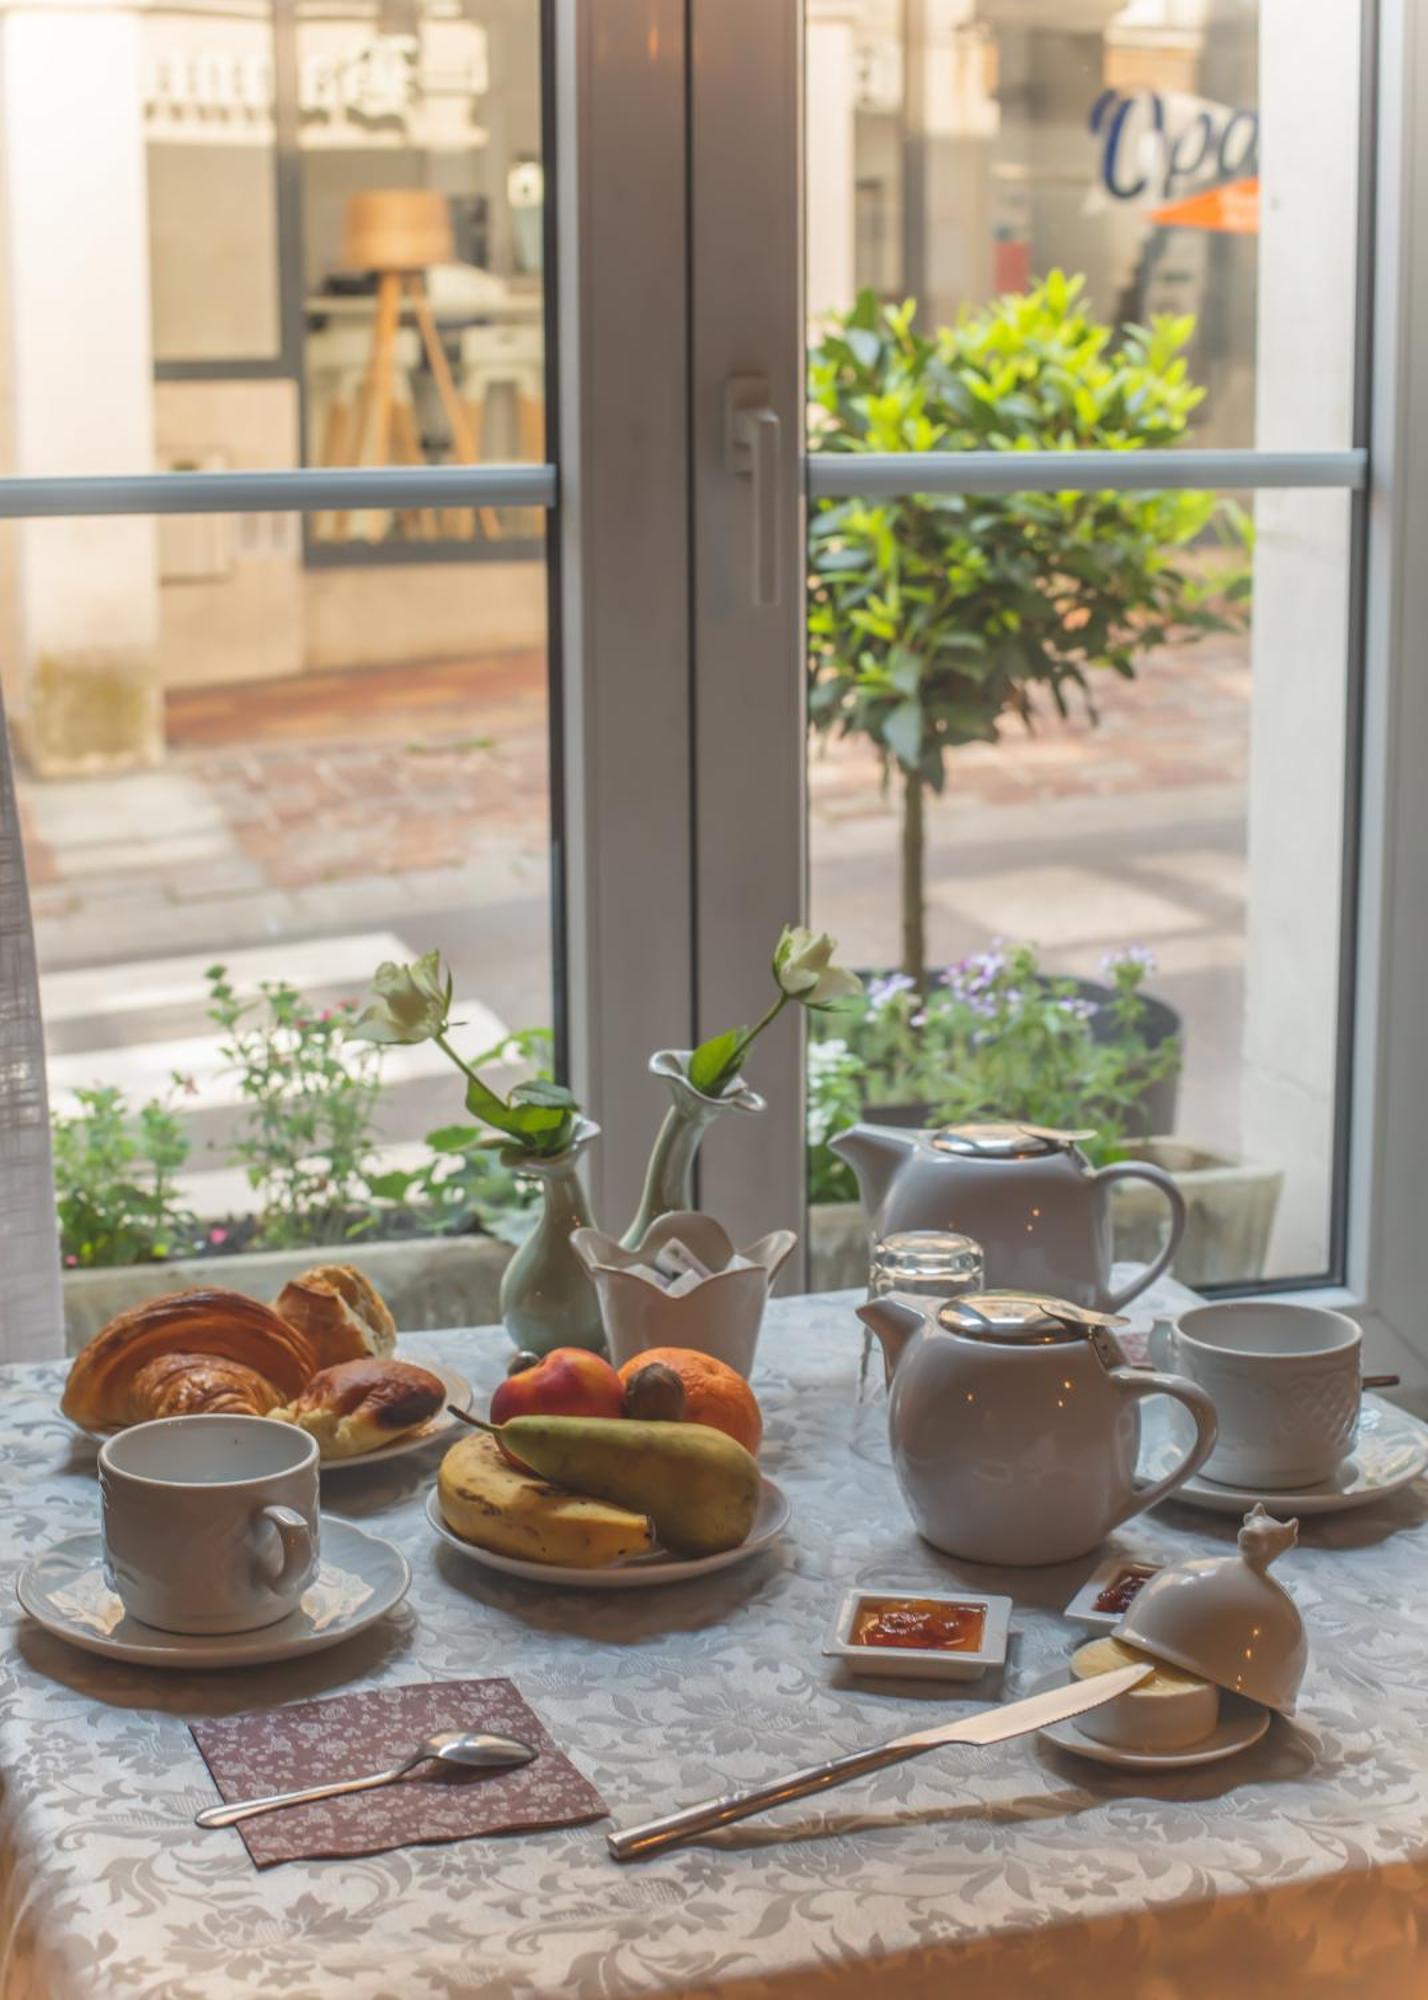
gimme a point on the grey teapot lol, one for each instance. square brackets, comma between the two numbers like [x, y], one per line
[1025, 1193]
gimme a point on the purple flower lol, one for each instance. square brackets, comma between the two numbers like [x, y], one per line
[1139, 956]
[1078, 1008]
[881, 991]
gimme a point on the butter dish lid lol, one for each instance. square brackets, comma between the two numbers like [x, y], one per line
[1226, 1618]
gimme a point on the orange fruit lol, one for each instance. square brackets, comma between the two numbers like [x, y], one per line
[714, 1393]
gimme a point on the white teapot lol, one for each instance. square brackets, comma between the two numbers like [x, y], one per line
[1025, 1193]
[1015, 1424]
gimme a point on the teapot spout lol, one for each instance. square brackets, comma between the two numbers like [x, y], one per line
[874, 1152]
[894, 1319]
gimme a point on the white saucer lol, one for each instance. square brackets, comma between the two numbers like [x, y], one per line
[1392, 1450]
[457, 1390]
[1241, 1723]
[360, 1577]
[638, 1572]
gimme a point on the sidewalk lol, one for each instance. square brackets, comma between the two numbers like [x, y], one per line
[306, 828]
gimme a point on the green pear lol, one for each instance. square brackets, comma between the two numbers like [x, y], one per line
[700, 1488]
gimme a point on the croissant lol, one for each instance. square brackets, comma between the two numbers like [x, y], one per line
[340, 1311]
[359, 1405]
[224, 1325]
[196, 1385]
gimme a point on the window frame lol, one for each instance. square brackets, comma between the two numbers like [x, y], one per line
[661, 940]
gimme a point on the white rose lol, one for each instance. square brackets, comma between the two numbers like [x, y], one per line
[803, 968]
[409, 1003]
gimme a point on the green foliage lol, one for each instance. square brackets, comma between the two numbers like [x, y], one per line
[309, 1095]
[463, 1186]
[114, 1173]
[996, 1039]
[460, 1189]
[935, 616]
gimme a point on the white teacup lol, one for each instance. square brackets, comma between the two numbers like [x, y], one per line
[210, 1523]
[1285, 1382]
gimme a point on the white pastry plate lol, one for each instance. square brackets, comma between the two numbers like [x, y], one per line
[438, 1425]
[1241, 1724]
[359, 1579]
[637, 1572]
[1392, 1450]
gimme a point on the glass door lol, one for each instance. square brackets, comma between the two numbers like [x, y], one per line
[1073, 758]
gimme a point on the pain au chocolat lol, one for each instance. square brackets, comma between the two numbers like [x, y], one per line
[213, 1324]
[359, 1405]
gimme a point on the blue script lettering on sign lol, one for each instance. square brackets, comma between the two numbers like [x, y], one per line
[1147, 152]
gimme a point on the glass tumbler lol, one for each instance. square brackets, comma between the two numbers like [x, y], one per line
[928, 1264]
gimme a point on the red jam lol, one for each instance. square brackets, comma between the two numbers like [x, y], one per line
[919, 1623]
[1121, 1589]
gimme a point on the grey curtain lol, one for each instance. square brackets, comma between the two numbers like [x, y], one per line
[31, 1314]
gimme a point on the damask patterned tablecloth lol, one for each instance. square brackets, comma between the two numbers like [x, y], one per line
[1300, 1868]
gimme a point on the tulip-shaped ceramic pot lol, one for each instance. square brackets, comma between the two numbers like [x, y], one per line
[719, 1315]
[1015, 1425]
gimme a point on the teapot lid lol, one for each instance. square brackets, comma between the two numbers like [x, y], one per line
[1029, 1318]
[1004, 1141]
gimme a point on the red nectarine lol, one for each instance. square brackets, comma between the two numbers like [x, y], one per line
[569, 1382]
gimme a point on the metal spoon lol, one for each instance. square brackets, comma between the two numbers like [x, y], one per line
[473, 1748]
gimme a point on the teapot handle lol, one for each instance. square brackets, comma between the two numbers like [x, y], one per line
[1142, 1170]
[1140, 1382]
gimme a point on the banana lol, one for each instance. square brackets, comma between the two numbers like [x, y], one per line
[485, 1500]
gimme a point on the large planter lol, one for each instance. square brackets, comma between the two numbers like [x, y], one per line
[430, 1281]
[1230, 1209]
[837, 1246]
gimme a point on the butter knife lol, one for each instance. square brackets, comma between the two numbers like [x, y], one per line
[987, 1725]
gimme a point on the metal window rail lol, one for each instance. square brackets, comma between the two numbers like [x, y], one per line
[831, 475]
[882, 475]
[307, 490]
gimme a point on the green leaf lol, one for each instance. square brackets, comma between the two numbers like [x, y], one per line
[540, 1090]
[715, 1062]
[902, 733]
[454, 1138]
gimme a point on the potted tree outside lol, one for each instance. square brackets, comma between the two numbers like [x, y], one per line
[936, 618]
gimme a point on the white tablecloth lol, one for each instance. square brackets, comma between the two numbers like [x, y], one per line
[1299, 1869]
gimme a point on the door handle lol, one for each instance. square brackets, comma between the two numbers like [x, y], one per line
[753, 433]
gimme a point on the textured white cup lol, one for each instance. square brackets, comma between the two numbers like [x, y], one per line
[210, 1523]
[1285, 1383]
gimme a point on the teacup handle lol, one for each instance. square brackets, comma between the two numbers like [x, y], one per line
[1142, 1170]
[1139, 1382]
[297, 1544]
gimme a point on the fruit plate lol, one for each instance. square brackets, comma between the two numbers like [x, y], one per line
[437, 1426]
[637, 1572]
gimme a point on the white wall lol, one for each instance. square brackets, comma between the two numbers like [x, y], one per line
[75, 298]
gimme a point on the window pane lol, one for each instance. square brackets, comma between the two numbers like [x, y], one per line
[226, 759]
[346, 204]
[1196, 161]
[422, 190]
[212, 182]
[1183, 820]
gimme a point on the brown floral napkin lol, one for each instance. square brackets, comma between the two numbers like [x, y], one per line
[282, 1749]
